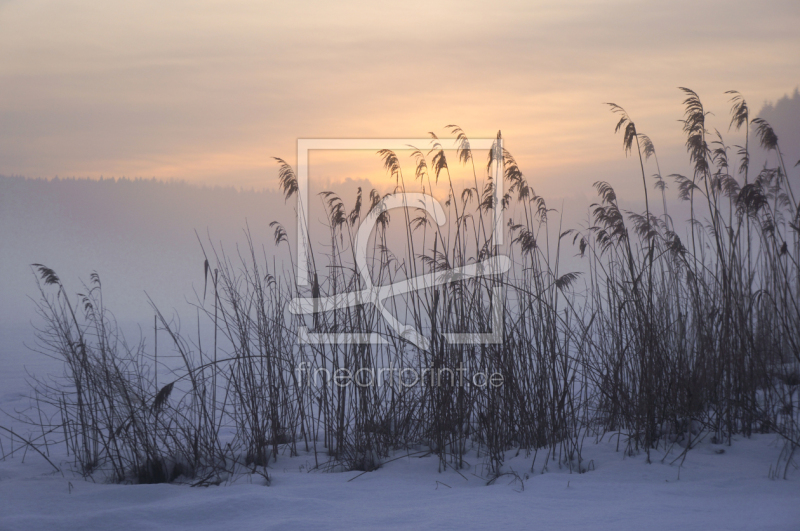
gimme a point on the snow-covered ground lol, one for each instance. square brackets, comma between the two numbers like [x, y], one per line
[712, 490]
[715, 491]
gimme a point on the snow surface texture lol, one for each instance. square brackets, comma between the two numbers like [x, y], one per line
[715, 491]
[728, 490]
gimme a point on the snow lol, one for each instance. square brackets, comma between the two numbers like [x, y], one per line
[711, 490]
[715, 491]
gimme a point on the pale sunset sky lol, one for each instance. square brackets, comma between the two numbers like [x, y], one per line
[208, 92]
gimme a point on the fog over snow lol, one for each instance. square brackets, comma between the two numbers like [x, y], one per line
[138, 139]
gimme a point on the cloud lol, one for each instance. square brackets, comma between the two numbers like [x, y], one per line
[207, 91]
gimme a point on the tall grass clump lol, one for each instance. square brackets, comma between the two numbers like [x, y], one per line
[653, 330]
[112, 416]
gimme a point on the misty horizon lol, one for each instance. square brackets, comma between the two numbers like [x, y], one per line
[408, 265]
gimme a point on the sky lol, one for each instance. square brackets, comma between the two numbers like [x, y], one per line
[208, 92]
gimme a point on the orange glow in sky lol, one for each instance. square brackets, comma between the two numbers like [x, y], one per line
[209, 91]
